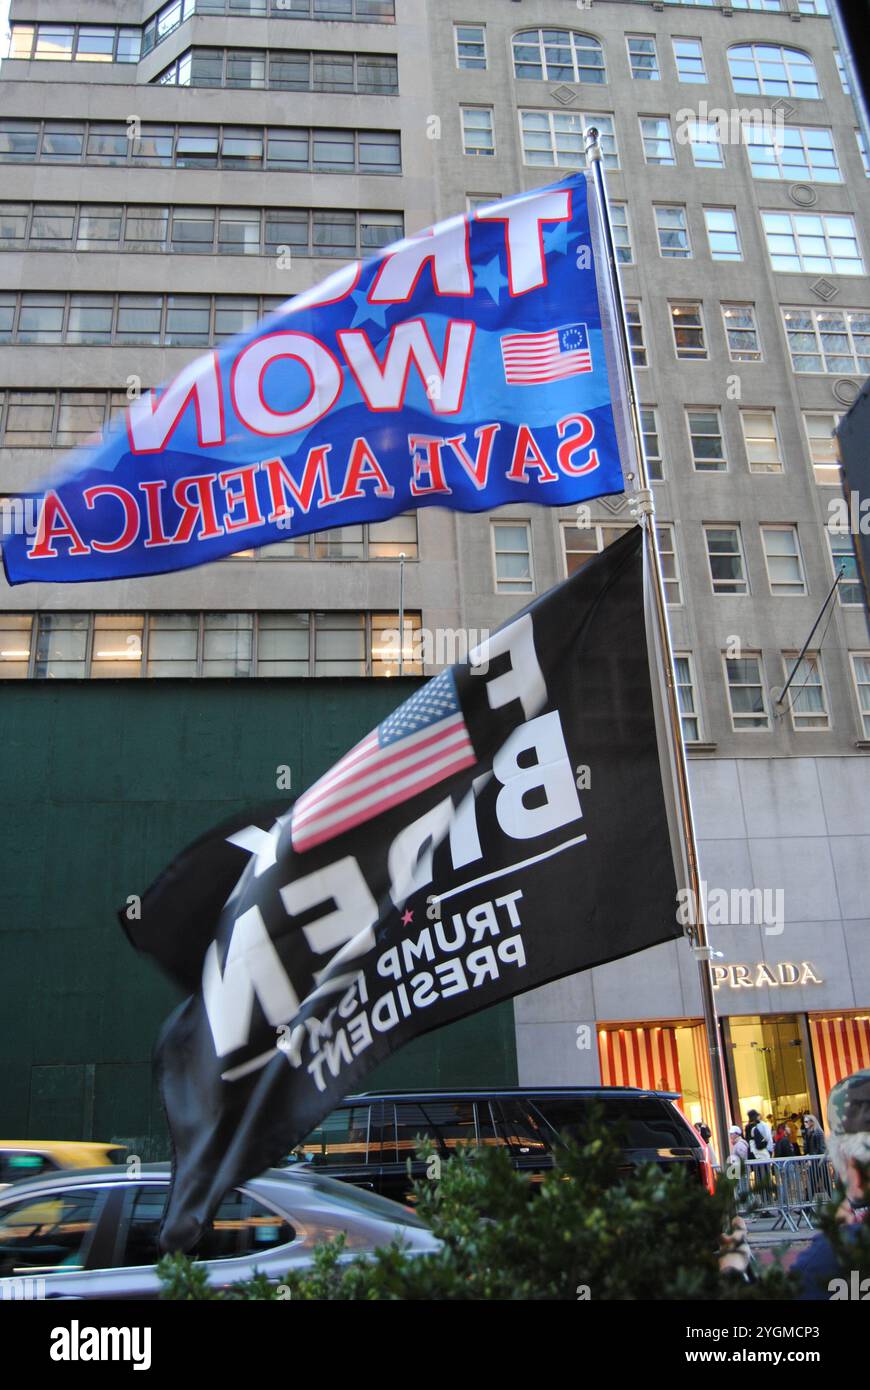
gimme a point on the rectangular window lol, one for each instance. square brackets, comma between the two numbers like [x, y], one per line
[673, 231]
[173, 644]
[62, 646]
[117, 645]
[379, 151]
[862, 150]
[705, 145]
[239, 231]
[387, 540]
[241, 148]
[15, 645]
[723, 234]
[107, 144]
[13, 224]
[689, 58]
[814, 243]
[283, 644]
[792, 153]
[333, 151]
[819, 428]
[556, 138]
[139, 318]
[146, 228]
[741, 332]
[234, 314]
[642, 59]
[687, 324]
[385, 644]
[19, 141]
[725, 558]
[95, 45]
[197, 147]
[670, 566]
[40, 318]
[470, 41]
[805, 698]
[652, 448]
[705, 438]
[828, 340]
[99, 227]
[227, 644]
[63, 142]
[339, 644]
[621, 233]
[761, 441]
[580, 543]
[334, 234]
[861, 677]
[655, 134]
[634, 324]
[80, 417]
[512, 557]
[90, 319]
[29, 420]
[54, 42]
[688, 703]
[52, 226]
[187, 320]
[785, 571]
[192, 230]
[841, 69]
[746, 693]
[477, 130]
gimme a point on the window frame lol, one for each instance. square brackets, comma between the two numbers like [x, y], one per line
[791, 590]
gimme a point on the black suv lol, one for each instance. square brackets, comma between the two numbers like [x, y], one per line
[369, 1138]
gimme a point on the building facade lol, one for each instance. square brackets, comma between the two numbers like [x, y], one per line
[170, 174]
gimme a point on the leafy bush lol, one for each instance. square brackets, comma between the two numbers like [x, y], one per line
[590, 1231]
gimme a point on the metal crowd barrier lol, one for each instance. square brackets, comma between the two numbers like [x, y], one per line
[789, 1189]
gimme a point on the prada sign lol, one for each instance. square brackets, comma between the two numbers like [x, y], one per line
[759, 975]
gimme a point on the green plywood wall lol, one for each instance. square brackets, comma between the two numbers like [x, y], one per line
[101, 783]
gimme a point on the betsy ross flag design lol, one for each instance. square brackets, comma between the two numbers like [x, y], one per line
[530, 358]
[419, 744]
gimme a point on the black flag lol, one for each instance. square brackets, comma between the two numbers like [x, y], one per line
[504, 827]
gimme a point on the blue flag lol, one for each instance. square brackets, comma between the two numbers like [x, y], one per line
[465, 367]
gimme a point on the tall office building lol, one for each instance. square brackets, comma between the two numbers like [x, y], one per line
[169, 175]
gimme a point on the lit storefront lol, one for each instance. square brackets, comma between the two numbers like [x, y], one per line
[777, 1064]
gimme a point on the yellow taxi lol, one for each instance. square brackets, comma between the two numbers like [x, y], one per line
[33, 1158]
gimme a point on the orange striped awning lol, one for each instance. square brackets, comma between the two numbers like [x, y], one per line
[841, 1045]
[644, 1057]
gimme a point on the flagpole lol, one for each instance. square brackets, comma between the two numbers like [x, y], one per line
[679, 781]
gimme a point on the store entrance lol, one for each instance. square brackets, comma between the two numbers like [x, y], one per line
[768, 1067]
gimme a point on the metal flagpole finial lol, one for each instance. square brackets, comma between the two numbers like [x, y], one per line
[593, 149]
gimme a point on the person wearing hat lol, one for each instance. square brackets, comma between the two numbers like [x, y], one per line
[759, 1138]
[848, 1143]
[738, 1146]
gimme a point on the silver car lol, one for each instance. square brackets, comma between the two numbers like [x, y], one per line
[93, 1234]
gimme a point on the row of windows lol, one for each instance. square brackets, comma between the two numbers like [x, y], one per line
[101, 646]
[77, 646]
[795, 241]
[149, 145]
[752, 706]
[762, 445]
[92, 43]
[83, 43]
[564, 55]
[285, 70]
[61, 419]
[152, 320]
[832, 341]
[728, 573]
[556, 139]
[230, 231]
[829, 341]
[169, 17]
[818, 7]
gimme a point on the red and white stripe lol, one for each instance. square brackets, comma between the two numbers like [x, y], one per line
[841, 1045]
[371, 779]
[532, 357]
[645, 1057]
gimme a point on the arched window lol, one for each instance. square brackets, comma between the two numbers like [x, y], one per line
[558, 55]
[766, 69]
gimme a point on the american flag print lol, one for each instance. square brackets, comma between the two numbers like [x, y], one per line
[530, 358]
[419, 744]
